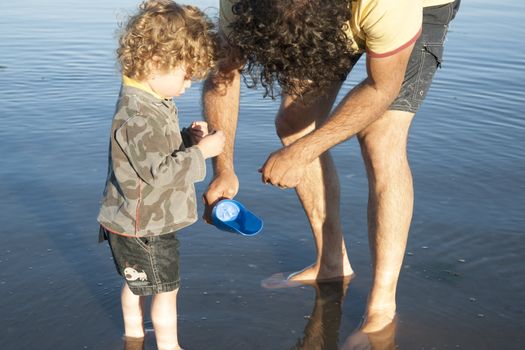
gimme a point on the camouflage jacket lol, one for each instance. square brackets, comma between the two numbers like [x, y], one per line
[151, 174]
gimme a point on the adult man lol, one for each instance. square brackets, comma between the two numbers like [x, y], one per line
[308, 48]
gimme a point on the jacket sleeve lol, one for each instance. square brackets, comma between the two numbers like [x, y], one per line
[147, 149]
[186, 137]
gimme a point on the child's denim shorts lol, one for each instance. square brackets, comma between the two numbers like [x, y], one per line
[426, 57]
[149, 265]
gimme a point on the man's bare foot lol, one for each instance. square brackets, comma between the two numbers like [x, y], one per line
[378, 318]
[383, 339]
[303, 277]
[317, 273]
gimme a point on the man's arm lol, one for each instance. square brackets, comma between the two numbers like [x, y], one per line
[221, 108]
[362, 106]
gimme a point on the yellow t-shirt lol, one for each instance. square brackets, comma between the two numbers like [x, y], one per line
[379, 27]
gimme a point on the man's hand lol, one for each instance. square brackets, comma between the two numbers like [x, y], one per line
[284, 168]
[224, 185]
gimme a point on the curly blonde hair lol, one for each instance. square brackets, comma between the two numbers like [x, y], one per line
[164, 35]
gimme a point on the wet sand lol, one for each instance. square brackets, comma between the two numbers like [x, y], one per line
[463, 280]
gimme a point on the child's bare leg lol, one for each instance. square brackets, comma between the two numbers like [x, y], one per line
[132, 312]
[164, 317]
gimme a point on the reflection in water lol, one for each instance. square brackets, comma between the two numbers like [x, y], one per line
[133, 343]
[380, 340]
[322, 330]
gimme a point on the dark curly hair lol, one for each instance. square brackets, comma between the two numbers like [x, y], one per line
[299, 45]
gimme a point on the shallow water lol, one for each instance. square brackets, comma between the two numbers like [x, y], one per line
[463, 281]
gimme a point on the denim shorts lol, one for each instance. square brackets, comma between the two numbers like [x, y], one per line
[149, 265]
[426, 57]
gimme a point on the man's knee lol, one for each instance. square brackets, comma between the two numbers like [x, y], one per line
[384, 143]
[383, 157]
[290, 125]
[282, 126]
[298, 116]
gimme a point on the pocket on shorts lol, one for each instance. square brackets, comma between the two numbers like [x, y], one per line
[143, 242]
[433, 40]
[155, 243]
[435, 52]
[435, 28]
[428, 58]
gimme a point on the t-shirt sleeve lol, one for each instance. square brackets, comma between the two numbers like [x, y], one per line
[225, 15]
[391, 26]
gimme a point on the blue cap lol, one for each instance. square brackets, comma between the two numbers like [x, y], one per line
[230, 215]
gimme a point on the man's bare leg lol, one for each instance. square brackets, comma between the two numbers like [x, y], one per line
[318, 190]
[390, 204]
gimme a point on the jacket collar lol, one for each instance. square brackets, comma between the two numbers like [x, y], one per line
[134, 87]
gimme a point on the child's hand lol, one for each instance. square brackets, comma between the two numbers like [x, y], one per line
[198, 130]
[212, 144]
